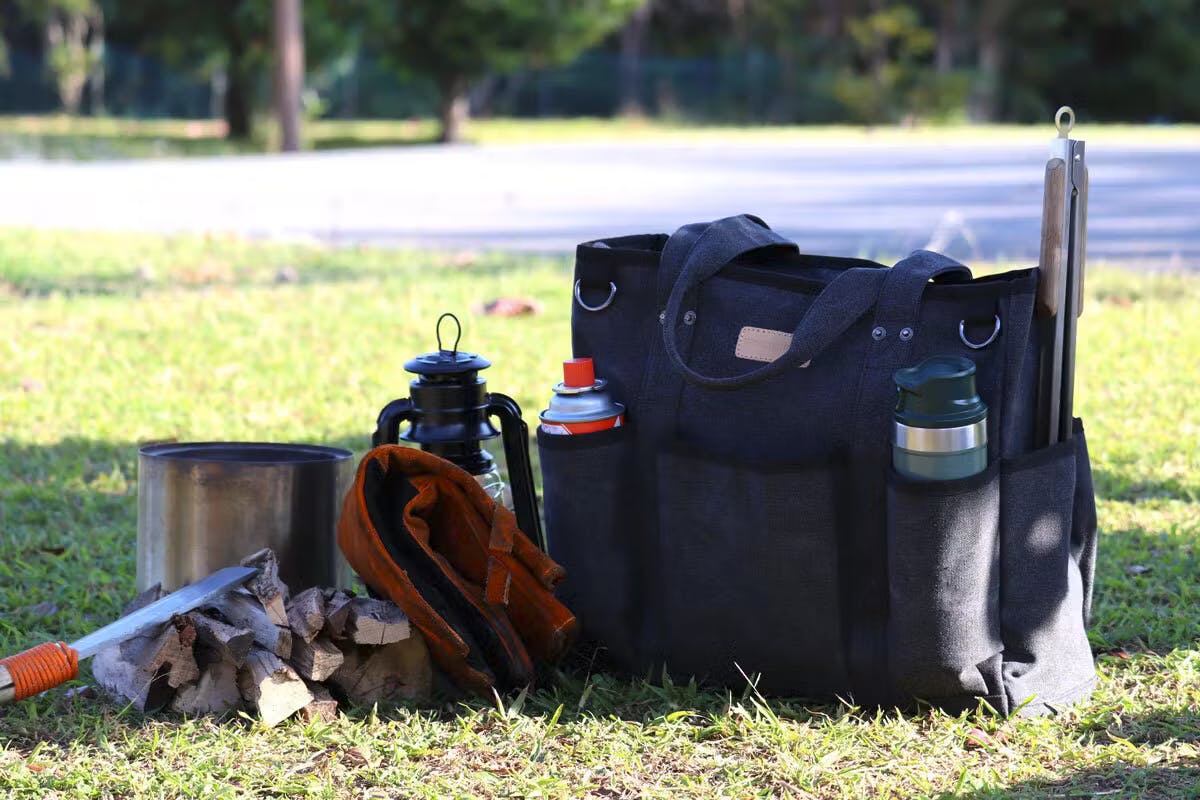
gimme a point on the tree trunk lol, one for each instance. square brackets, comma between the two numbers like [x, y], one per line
[238, 115]
[947, 36]
[96, 74]
[454, 108]
[289, 71]
[992, 54]
[633, 44]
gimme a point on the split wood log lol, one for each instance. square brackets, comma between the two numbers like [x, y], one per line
[171, 648]
[376, 622]
[373, 674]
[337, 613]
[215, 693]
[244, 611]
[306, 613]
[146, 670]
[272, 686]
[266, 585]
[315, 660]
[323, 707]
[224, 642]
[127, 682]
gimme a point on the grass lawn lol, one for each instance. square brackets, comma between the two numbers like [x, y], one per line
[86, 138]
[106, 341]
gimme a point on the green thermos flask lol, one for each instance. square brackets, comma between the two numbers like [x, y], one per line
[939, 429]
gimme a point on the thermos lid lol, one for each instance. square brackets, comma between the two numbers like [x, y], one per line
[938, 393]
[447, 362]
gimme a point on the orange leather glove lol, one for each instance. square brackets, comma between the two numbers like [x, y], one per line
[421, 532]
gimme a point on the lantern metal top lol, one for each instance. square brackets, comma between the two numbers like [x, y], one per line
[447, 362]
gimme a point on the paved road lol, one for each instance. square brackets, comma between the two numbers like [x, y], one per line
[976, 202]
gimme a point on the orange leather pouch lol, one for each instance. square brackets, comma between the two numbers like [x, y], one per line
[421, 532]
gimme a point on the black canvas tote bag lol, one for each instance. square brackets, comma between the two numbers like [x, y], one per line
[746, 521]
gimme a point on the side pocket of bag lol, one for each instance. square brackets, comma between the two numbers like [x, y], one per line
[591, 530]
[1047, 658]
[943, 542]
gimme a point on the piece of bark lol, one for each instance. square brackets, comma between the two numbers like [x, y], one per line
[215, 693]
[323, 707]
[144, 599]
[223, 642]
[398, 670]
[337, 613]
[172, 648]
[306, 613]
[244, 611]
[266, 585]
[376, 622]
[272, 686]
[315, 660]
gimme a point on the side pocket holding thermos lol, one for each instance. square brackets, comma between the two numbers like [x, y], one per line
[943, 540]
[1046, 577]
[592, 531]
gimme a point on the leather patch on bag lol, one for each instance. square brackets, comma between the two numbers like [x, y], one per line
[762, 344]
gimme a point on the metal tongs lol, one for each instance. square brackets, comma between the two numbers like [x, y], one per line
[1060, 285]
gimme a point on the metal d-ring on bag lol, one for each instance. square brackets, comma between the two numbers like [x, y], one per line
[747, 519]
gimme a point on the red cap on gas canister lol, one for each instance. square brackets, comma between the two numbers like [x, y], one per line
[578, 373]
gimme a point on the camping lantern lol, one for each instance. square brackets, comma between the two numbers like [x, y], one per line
[450, 413]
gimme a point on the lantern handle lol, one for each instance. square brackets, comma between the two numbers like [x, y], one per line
[457, 337]
[515, 435]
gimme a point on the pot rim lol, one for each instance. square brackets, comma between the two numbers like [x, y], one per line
[244, 452]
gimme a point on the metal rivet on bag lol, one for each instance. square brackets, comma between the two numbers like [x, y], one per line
[689, 318]
[906, 334]
[662, 317]
[878, 333]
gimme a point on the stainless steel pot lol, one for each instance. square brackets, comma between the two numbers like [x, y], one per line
[207, 505]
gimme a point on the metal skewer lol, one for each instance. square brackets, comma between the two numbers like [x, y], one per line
[1060, 300]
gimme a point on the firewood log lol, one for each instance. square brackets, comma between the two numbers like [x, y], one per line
[273, 687]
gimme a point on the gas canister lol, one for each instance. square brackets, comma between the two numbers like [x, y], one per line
[581, 403]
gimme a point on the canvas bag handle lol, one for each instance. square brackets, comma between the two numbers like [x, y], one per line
[840, 304]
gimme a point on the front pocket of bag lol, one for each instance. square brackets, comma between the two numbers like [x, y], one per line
[944, 587]
[592, 531]
[749, 578]
[1047, 658]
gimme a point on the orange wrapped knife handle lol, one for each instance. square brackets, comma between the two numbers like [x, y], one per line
[41, 668]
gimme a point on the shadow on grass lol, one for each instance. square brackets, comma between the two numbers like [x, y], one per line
[281, 271]
[94, 147]
[1116, 780]
[97, 147]
[132, 285]
[354, 143]
[1113, 485]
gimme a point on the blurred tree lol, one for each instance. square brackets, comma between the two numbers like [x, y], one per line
[74, 31]
[890, 44]
[233, 36]
[456, 43]
[3, 51]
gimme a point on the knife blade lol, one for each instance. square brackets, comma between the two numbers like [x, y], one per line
[48, 665]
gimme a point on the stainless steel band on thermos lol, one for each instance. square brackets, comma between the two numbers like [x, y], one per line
[940, 440]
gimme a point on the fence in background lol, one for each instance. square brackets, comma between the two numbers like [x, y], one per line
[745, 87]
